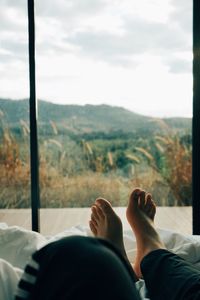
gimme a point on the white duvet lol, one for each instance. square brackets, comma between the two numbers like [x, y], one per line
[17, 245]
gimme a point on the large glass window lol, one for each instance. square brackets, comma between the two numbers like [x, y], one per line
[14, 114]
[114, 83]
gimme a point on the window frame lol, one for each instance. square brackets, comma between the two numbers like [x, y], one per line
[34, 158]
[196, 120]
[34, 161]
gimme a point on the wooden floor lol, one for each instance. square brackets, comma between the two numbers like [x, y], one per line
[56, 220]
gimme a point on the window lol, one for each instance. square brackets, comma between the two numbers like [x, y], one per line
[116, 78]
[116, 83]
[14, 118]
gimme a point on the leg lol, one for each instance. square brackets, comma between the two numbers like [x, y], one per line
[81, 268]
[140, 214]
[166, 275]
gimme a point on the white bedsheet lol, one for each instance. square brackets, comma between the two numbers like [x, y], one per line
[17, 245]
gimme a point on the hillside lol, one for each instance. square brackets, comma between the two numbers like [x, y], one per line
[88, 118]
[87, 151]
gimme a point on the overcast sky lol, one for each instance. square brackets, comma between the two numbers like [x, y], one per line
[130, 53]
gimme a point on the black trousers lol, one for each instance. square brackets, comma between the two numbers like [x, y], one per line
[169, 277]
[89, 268]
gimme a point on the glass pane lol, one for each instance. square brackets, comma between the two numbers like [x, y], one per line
[115, 83]
[14, 115]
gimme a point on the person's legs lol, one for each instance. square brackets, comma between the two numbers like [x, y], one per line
[106, 224]
[166, 275]
[79, 268]
[140, 214]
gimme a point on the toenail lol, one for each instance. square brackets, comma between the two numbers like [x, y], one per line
[136, 194]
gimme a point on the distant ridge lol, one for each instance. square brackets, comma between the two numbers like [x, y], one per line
[89, 118]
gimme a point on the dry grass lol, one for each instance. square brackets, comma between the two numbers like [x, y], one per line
[76, 181]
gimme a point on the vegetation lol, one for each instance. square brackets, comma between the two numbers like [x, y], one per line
[92, 151]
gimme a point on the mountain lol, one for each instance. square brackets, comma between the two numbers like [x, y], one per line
[88, 118]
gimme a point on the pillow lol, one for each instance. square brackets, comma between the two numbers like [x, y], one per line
[9, 278]
[18, 244]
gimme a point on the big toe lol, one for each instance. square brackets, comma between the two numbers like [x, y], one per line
[134, 197]
[105, 205]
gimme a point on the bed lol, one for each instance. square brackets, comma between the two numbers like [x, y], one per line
[17, 245]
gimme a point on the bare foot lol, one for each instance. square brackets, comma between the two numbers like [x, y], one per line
[106, 224]
[140, 215]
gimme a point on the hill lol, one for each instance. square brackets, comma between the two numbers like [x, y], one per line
[88, 118]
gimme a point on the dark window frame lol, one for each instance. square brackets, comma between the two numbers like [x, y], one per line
[196, 119]
[35, 195]
[34, 158]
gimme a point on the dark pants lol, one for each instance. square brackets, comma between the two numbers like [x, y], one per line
[88, 268]
[169, 277]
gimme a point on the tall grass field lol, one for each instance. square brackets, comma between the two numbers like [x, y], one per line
[82, 157]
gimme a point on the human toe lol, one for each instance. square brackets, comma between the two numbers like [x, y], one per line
[135, 194]
[93, 227]
[104, 205]
[148, 202]
[99, 211]
[142, 199]
[95, 212]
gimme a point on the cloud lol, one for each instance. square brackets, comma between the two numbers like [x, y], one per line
[13, 32]
[139, 37]
[20, 48]
[182, 15]
[13, 3]
[70, 9]
[13, 17]
[179, 66]
[83, 27]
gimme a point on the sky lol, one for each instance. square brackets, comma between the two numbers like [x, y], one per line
[130, 53]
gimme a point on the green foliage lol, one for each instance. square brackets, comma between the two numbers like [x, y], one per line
[89, 151]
